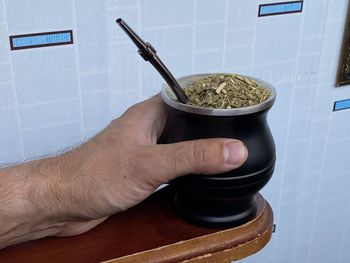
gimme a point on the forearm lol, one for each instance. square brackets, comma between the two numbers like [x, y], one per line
[30, 205]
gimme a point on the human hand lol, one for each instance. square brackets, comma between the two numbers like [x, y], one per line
[123, 165]
[115, 170]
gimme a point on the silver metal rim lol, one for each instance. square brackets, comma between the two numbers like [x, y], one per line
[169, 98]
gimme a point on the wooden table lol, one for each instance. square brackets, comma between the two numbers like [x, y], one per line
[150, 232]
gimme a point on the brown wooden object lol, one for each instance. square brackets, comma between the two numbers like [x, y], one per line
[150, 232]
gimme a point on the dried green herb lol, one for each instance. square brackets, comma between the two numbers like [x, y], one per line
[225, 91]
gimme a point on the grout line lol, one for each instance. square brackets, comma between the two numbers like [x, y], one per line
[254, 45]
[241, 29]
[166, 27]
[5, 82]
[194, 27]
[30, 105]
[225, 36]
[139, 13]
[93, 72]
[289, 121]
[120, 8]
[240, 47]
[203, 51]
[213, 22]
[77, 65]
[5, 63]
[324, 154]
[98, 91]
[21, 143]
[56, 124]
[276, 62]
[110, 47]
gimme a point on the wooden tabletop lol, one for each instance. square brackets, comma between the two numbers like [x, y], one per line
[150, 232]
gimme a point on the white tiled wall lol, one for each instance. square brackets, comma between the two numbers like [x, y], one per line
[53, 98]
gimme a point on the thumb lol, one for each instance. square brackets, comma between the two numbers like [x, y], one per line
[207, 156]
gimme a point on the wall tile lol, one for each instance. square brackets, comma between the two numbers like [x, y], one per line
[39, 16]
[125, 76]
[311, 45]
[288, 215]
[239, 57]
[323, 103]
[5, 73]
[152, 82]
[337, 160]
[276, 73]
[280, 136]
[265, 255]
[45, 74]
[300, 252]
[94, 82]
[279, 113]
[303, 98]
[120, 102]
[328, 62]
[285, 236]
[319, 127]
[325, 252]
[53, 140]
[49, 114]
[4, 45]
[316, 149]
[240, 37]
[308, 66]
[334, 187]
[303, 230]
[336, 9]
[120, 3]
[333, 36]
[210, 61]
[278, 46]
[96, 109]
[294, 167]
[2, 13]
[329, 222]
[9, 136]
[91, 35]
[283, 255]
[10, 158]
[210, 11]
[271, 192]
[300, 125]
[242, 14]
[209, 36]
[7, 98]
[311, 176]
[339, 128]
[165, 13]
[315, 12]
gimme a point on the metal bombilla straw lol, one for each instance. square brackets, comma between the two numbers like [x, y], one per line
[148, 53]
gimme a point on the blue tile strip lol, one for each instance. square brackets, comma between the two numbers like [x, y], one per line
[41, 40]
[341, 105]
[280, 8]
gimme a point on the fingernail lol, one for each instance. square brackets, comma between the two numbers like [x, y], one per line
[234, 153]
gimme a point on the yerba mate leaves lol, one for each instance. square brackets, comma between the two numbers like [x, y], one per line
[225, 91]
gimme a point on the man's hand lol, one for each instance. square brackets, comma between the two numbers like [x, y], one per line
[115, 170]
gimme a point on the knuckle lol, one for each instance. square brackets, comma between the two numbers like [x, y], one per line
[177, 158]
[199, 156]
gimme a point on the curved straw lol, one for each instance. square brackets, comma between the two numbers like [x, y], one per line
[148, 53]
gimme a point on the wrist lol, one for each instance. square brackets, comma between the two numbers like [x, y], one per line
[24, 210]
